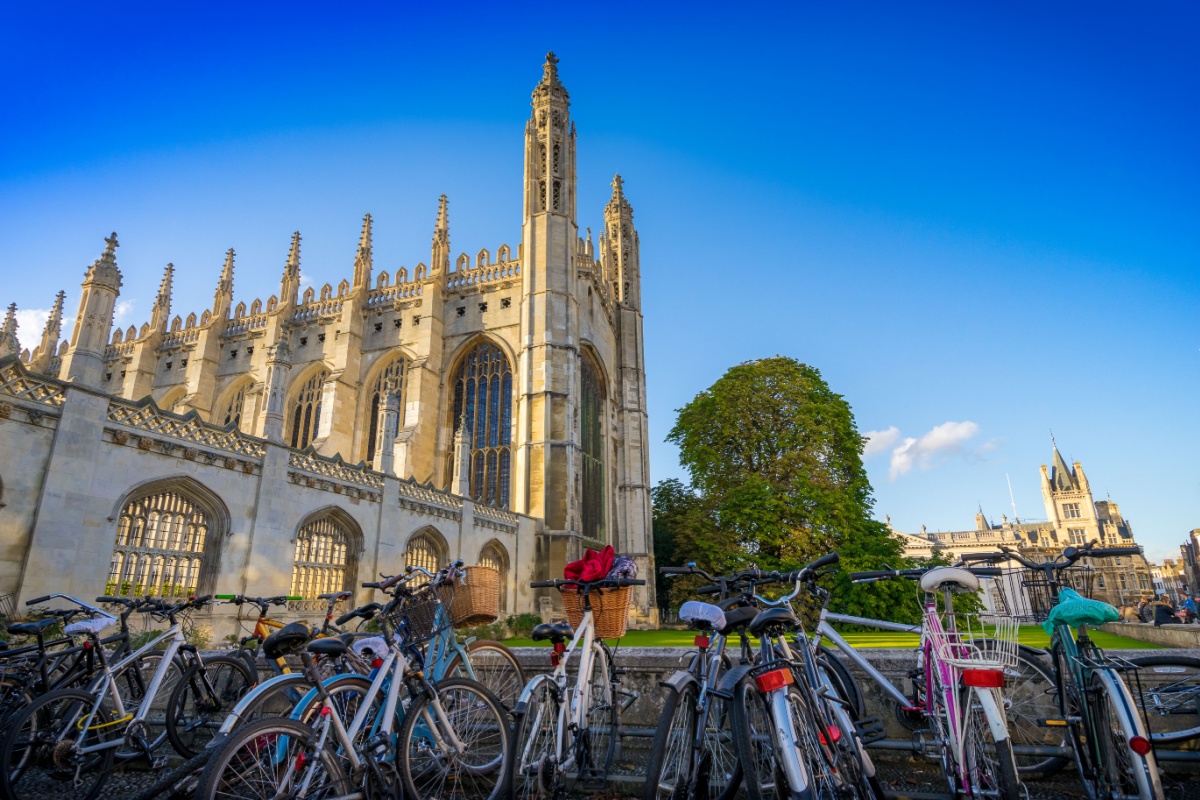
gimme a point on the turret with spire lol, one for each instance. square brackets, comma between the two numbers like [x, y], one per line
[9, 345]
[51, 334]
[160, 313]
[223, 297]
[620, 248]
[550, 148]
[440, 258]
[362, 259]
[290, 286]
[84, 359]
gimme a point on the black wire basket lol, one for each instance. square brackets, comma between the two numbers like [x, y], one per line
[417, 620]
[1028, 595]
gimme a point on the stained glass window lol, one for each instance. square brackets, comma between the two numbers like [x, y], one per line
[306, 410]
[483, 408]
[320, 564]
[160, 547]
[424, 551]
[591, 408]
[394, 372]
[234, 408]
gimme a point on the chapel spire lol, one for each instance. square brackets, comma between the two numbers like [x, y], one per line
[362, 259]
[440, 260]
[550, 148]
[160, 314]
[51, 334]
[8, 333]
[619, 247]
[290, 285]
[84, 361]
[223, 297]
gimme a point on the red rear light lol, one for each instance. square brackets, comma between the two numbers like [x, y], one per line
[701, 641]
[1139, 745]
[377, 663]
[983, 678]
[326, 711]
[831, 734]
[775, 679]
[87, 644]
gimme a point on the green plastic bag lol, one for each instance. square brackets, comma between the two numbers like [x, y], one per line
[1074, 609]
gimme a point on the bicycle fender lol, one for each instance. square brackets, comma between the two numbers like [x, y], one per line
[523, 701]
[311, 694]
[991, 704]
[678, 680]
[234, 718]
[731, 679]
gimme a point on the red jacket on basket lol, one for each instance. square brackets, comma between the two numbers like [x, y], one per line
[594, 566]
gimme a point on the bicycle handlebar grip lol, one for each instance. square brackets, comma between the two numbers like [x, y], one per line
[674, 570]
[344, 618]
[107, 599]
[37, 600]
[201, 600]
[710, 589]
[824, 561]
[630, 582]
[1105, 552]
[371, 585]
[878, 574]
[986, 572]
[543, 584]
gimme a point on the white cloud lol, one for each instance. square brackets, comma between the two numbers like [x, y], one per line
[122, 311]
[305, 282]
[31, 322]
[942, 441]
[880, 441]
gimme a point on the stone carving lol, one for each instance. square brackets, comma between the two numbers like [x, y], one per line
[496, 517]
[146, 416]
[5, 410]
[336, 469]
[35, 415]
[144, 443]
[16, 382]
[191, 453]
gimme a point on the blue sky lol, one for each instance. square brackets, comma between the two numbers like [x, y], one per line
[980, 221]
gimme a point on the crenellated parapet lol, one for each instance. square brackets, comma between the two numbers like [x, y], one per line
[468, 277]
[147, 417]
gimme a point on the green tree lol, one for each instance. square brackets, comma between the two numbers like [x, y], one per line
[775, 460]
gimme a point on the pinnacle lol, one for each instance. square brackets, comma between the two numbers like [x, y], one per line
[618, 186]
[110, 247]
[227, 270]
[550, 68]
[443, 218]
[364, 243]
[294, 254]
[54, 321]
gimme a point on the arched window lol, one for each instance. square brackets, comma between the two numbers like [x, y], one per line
[160, 547]
[483, 404]
[395, 373]
[493, 555]
[591, 418]
[425, 551]
[233, 409]
[306, 410]
[324, 560]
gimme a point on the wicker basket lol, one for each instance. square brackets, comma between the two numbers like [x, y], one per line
[610, 610]
[475, 599]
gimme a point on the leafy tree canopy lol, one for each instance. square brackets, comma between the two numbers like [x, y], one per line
[775, 461]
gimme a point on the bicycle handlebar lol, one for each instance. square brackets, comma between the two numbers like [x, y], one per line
[604, 583]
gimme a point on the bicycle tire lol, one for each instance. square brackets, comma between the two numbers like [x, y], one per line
[860, 765]
[533, 770]
[601, 734]
[132, 682]
[988, 761]
[493, 665]
[845, 684]
[753, 737]
[478, 720]
[15, 695]
[826, 773]
[1031, 696]
[671, 759]
[193, 714]
[270, 742]
[1116, 723]
[1169, 696]
[33, 743]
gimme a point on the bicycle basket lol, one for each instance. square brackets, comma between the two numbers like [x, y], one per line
[416, 620]
[610, 610]
[475, 597]
[977, 641]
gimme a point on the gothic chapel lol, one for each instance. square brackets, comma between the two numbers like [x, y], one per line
[489, 407]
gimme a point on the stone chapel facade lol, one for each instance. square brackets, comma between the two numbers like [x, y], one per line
[490, 407]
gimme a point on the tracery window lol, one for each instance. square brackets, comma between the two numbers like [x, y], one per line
[591, 408]
[160, 547]
[395, 372]
[483, 404]
[234, 409]
[1071, 511]
[493, 555]
[424, 551]
[306, 410]
[321, 560]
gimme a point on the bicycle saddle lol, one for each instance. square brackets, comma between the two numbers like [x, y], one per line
[738, 617]
[702, 616]
[938, 577]
[287, 640]
[773, 618]
[554, 631]
[327, 647]
[31, 628]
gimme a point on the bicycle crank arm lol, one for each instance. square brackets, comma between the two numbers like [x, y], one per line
[629, 698]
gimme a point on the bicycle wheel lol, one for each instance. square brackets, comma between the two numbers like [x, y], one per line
[1031, 696]
[534, 769]
[720, 759]
[601, 739]
[829, 775]
[1124, 772]
[669, 771]
[346, 695]
[1070, 708]
[270, 759]
[430, 765]
[41, 755]
[987, 761]
[857, 764]
[753, 737]
[493, 665]
[1167, 689]
[132, 683]
[203, 698]
[278, 700]
[15, 694]
[843, 680]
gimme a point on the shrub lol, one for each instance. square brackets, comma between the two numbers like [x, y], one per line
[523, 624]
[494, 631]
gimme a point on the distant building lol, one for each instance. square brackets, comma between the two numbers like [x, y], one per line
[1072, 518]
[1190, 560]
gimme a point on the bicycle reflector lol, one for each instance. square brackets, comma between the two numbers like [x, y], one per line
[775, 679]
[701, 641]
[1139, 745]
[983, 678]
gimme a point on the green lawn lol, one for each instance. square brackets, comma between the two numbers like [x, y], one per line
[1031, 635]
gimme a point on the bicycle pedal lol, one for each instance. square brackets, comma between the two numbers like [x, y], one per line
[870, 729]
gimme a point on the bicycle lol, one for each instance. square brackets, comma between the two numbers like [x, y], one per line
[1113, 751]
[569, 731]
[793, 732]
[450, 734]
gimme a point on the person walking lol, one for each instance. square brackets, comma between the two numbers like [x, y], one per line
[1187, 609]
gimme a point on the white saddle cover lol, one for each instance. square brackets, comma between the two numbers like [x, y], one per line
[967, 581]
[695, 611]
[376, 644]
[93, 625]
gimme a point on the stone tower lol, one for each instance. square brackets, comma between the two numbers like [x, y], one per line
[1068, 497]
[84, 359]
